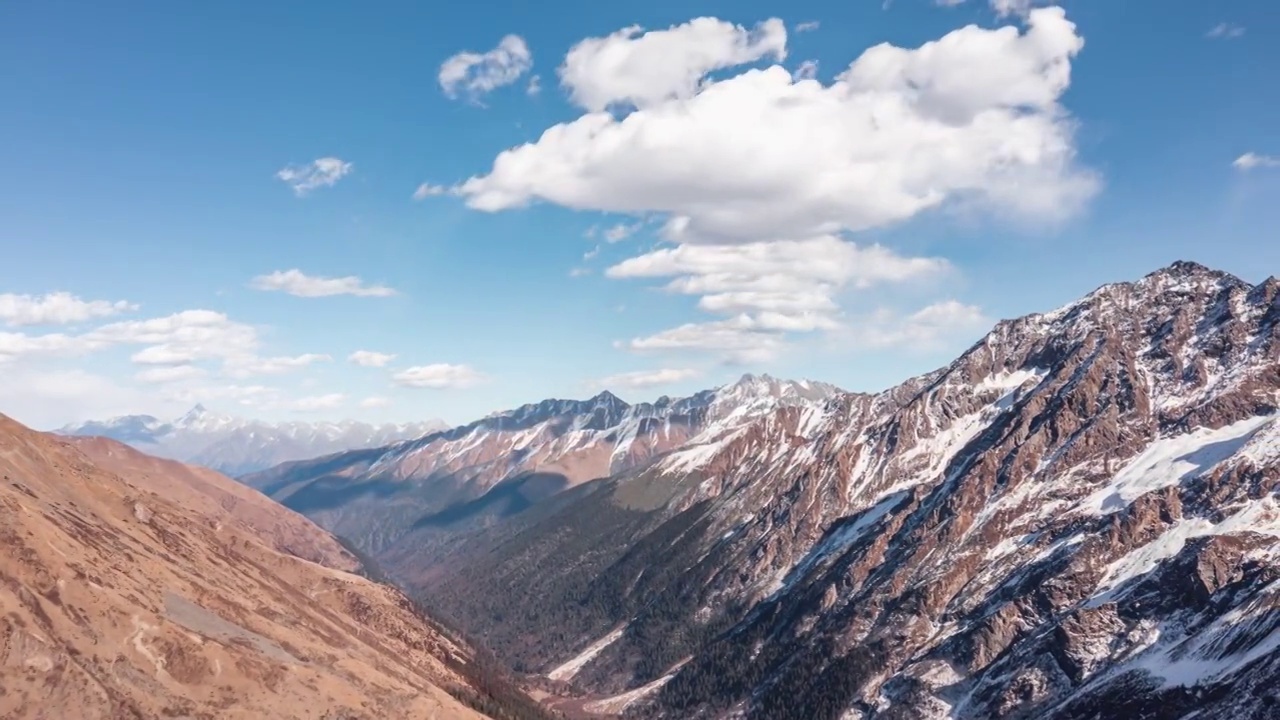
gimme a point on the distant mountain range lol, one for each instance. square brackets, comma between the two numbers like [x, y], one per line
[236, 446]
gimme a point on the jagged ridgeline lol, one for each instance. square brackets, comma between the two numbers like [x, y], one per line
[1075, 519]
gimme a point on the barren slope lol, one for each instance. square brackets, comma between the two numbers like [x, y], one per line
[135, 588]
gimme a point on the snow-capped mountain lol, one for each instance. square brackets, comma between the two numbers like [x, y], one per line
[236, 446]
[503, 462]
[1078, 518]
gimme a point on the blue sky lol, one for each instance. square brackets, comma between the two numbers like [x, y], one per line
[857, 228]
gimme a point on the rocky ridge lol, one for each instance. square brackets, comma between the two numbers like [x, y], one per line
[1077, 518]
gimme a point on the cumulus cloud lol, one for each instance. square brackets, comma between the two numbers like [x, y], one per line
[299, 284]
[759, 176]
[971, 118]
[647, 378]
[369, 358]
[58, 308]
[644, 69]
[478, 74]
[1225, 31]
[1252, 160]
[438, 376]
[321, 172]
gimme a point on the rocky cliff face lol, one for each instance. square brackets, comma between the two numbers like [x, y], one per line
[500, 465]
[132, 587]
[1077, 518]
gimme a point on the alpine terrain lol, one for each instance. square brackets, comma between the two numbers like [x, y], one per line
[135, 587]
[500, 465]
[1077, 518]
[237, 446]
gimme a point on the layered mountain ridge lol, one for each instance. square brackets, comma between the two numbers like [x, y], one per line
[1077, 518]
[236, 446]
[503, 463]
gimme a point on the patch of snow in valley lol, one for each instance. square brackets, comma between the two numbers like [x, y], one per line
[567, 671]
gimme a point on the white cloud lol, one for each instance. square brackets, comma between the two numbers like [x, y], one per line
[808, 26]
[1225, 31]
[767, 288]
[736, 341]
[426, 190]
[178, 339]
[972, 118]
[375, 402]
[19, 345]
[950, 3]
[1251, 160]
[808, 70]
[644, 69]
[58, 308]
[927, 329]
[242, 367]
[480, 73]
[319, 403]
[1005, 8]
[169, 374]
[369, 358]
[647, 378]
[621, 231]
[534, 87]
[438, 376]
[299, 284]
[321, 172]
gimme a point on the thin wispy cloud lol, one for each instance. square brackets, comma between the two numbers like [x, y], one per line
[368, 358]
[440, 376]
[1252, 160]
[321, 172]
[807, 26]
[299, 284]
[1225, 31]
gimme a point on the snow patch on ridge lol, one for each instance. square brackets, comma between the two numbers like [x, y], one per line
[1167, 461]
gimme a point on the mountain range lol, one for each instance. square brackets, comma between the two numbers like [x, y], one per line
[1077, 518]
[236, 446]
